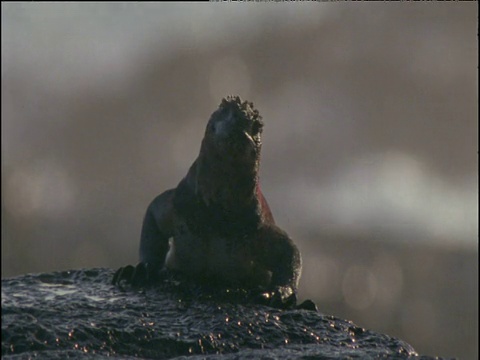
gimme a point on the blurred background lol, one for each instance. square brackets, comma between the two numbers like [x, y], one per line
[369, 156]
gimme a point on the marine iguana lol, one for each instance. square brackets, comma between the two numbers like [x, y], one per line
[220, 227]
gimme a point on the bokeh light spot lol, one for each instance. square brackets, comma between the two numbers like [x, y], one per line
[43, 188]
[359, 287]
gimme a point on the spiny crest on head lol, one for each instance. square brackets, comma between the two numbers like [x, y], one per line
[244, 107]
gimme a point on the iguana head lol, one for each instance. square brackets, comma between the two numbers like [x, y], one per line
[227, 167]
[234, 132]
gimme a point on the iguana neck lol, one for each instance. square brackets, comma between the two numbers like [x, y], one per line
[227, 184]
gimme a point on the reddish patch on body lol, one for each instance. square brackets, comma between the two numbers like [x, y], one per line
[265, 209]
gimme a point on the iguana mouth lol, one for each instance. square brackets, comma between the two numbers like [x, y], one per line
[249, 137]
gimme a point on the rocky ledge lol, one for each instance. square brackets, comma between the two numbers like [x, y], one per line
[79, 314]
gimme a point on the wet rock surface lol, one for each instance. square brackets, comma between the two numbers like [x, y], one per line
[79, 314]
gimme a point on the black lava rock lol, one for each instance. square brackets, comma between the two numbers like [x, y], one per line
[79, 314]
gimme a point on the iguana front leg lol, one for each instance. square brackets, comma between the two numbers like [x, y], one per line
[156, 230]
[276, 252]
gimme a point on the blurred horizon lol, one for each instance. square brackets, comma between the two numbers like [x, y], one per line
[370, 146]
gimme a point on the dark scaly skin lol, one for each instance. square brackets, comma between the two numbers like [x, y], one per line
[221, 226]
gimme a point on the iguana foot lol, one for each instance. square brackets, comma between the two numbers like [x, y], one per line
[140, 275]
